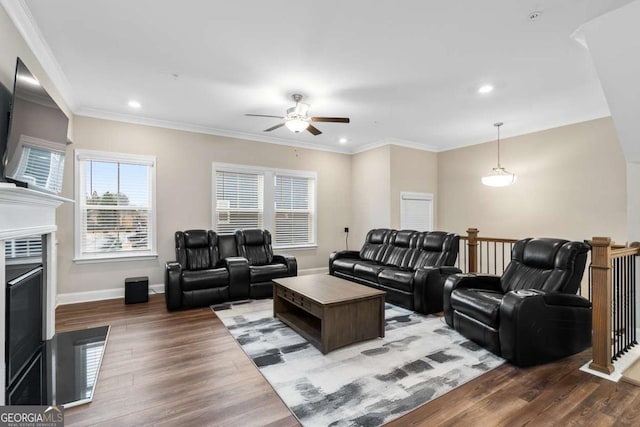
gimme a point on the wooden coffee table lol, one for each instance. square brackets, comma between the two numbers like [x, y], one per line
[328, 311]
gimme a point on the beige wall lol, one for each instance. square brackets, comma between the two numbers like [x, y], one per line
[571, 184]
[371, 193]
[184, 175]
[415, 171]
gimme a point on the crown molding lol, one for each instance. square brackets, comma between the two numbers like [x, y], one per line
[22, 18]
[168, 124]
[397, 142]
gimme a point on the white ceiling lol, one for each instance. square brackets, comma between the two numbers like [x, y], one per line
[405, 72]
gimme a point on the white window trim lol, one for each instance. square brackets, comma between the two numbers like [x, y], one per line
[409, 195]
[268, 214]
[106, 156]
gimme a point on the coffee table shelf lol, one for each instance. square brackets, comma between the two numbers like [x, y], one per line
[328, 311]
[304, 325]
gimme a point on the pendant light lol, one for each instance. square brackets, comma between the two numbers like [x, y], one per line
[499, 176]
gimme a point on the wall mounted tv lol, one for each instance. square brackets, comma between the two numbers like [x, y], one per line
[35, 147]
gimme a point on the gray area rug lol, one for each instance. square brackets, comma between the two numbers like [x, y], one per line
[364, 384]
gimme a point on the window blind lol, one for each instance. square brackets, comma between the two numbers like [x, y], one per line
[294, 210]
[29, 247]
[116, 207]
[416, 212]
[239, 201]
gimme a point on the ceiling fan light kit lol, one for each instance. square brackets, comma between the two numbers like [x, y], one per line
[297, 119]
[499, 176]
[296, 125]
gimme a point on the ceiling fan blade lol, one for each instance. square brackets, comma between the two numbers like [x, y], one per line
[274, 127]
[330, 119]
[314, 130]
[264, 115]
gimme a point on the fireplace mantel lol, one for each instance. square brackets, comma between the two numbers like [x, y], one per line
[24, 213]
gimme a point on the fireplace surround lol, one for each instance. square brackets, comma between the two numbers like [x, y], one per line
[25, 213]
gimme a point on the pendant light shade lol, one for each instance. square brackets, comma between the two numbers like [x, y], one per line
[499, 176]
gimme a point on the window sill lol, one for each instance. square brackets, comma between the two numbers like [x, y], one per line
[296, 247]
[116, 258]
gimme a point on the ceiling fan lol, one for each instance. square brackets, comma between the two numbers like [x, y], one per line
[297, 119]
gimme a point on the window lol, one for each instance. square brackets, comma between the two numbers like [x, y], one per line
[115, 205]
[239, 201]
[281, 201]
[416, 211]
[294, 209]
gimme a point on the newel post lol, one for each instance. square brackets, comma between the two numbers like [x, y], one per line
[472, 242]
[601, 300]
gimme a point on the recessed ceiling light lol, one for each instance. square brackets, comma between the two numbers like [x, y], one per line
[342, 140]
[134, 104]
[485, 89]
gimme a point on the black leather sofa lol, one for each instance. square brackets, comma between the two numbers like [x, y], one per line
[209, 270]
[410, 266]
[531, 314]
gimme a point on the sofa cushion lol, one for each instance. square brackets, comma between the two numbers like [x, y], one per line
[264, 273]
[367, 271]
[375, 244]
[480, 304]
[255, 246]
[197, 249]
[397, 279]
[345, 265]
[202, 279]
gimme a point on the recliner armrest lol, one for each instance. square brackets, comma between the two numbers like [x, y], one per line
[568, 300]
[468, 280]
[288, 260]
[172, 289]
[537, 327]
[239, 277]
[341, 254]
[428, 285]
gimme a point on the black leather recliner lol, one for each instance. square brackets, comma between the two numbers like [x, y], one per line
[531, 314]
[255, 246]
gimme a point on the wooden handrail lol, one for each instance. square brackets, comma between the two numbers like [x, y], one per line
[490, 239]
[619, 253]
[496, 239]
[473, 244]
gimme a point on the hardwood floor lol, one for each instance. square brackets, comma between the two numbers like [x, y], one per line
[184, 369]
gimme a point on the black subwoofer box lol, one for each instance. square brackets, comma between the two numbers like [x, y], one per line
[136, 289]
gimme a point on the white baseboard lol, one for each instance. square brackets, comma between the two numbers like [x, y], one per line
[104, 294]
[317, 270]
